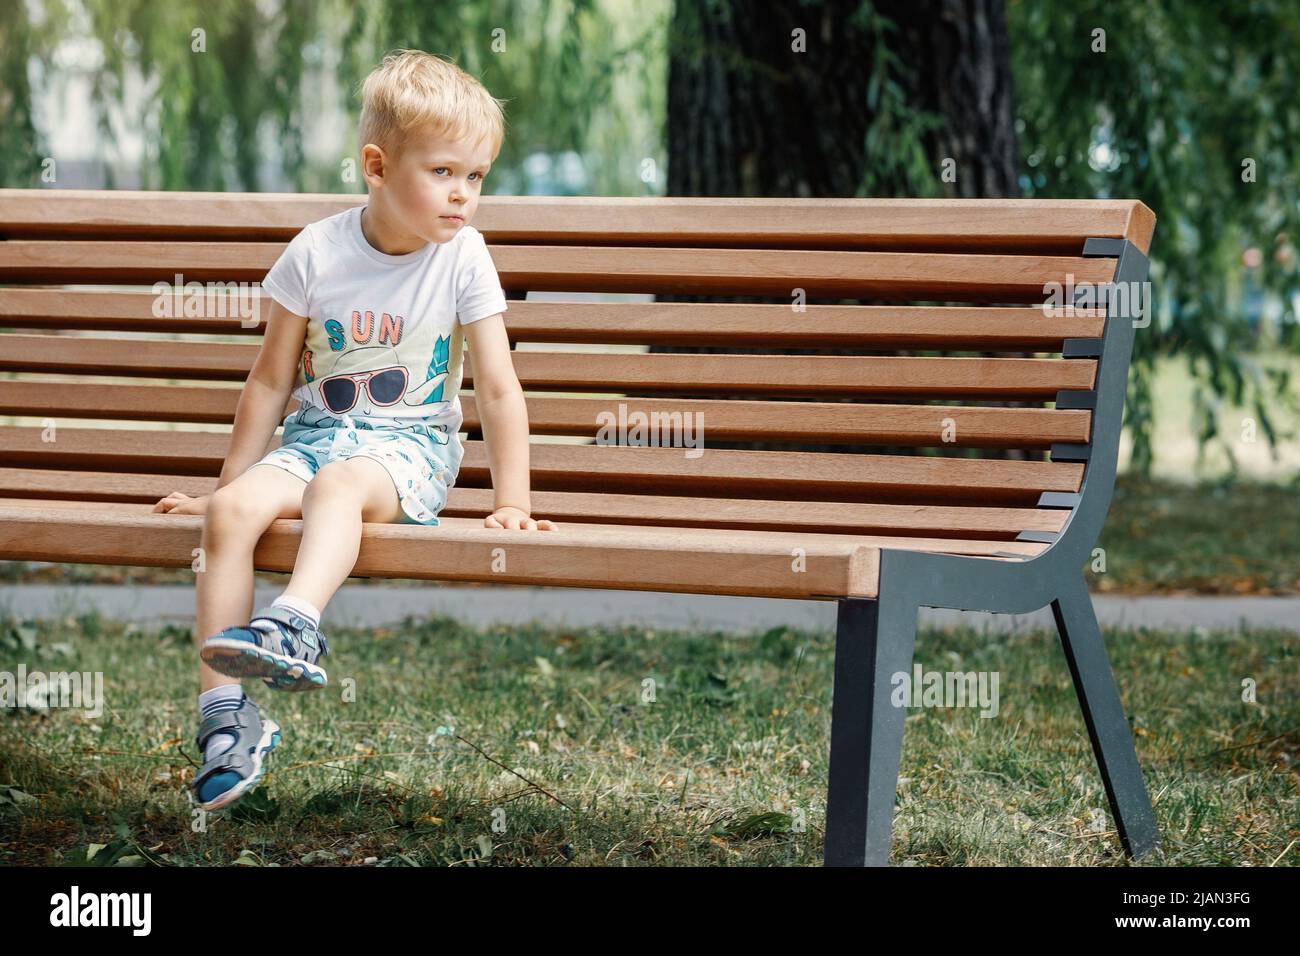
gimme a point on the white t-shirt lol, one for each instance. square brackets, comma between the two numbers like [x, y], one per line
[383, 337]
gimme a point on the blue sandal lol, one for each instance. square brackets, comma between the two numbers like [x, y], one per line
[229, 775]
[277, 645]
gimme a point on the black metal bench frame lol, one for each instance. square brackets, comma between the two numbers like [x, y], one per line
[876, 638]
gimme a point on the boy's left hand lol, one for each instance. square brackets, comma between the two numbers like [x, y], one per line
[515, 519]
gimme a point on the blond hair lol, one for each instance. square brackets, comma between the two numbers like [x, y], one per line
[411, 88]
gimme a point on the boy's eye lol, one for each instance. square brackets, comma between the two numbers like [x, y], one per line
[440, 169]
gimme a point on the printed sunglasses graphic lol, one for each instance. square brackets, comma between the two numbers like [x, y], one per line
[386, 386]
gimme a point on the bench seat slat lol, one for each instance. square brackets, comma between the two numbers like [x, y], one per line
[712, 561]
[850, 518]
[823, 476]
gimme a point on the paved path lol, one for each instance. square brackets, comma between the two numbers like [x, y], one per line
[374, 605]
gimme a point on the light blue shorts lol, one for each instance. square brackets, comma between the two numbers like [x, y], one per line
[422, 460]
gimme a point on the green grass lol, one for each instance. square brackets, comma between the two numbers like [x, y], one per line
[549, 734]
[1214, 538]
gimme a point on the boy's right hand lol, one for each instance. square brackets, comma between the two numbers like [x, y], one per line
[179, 503]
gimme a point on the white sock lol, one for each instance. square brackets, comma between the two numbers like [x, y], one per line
[219, 699]
[299, 606]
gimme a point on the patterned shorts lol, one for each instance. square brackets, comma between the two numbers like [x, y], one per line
[421, 460]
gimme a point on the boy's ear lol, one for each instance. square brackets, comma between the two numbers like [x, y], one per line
[374, 164]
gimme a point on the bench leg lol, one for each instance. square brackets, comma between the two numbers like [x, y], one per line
[1103, 712]
[874, 640]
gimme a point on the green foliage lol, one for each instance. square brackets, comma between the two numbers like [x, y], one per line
[220, 107]
[1183, 95]
[578, 75]
[25, 41]
[220, 71]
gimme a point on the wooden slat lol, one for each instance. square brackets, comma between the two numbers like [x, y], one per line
[157, 358]
[992, 328]
[845, 223]
[736, 420]
[106, 488]
[779, 272]
[596, 269]
[53, 213]
[737, 473]
[684, 560]
[35, 308]
[807, 422]
[460, 549]
[817, 375]
[99, 486]
[73, 260]
[159, 403]
[1019, 328]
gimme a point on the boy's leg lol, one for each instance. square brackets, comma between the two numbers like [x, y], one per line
[339, 498]
[238, 515]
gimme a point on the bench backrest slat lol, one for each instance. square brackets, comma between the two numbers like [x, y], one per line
[614, 323]
[794, 375]
[663, 271]
[901, 224]
[826, 476]
[729, 420]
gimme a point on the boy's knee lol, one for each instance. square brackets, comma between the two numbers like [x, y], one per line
[231, 511]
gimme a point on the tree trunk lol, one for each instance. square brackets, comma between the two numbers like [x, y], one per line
[748, 115]
[960, 57]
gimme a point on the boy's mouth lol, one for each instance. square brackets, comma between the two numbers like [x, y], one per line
[459, 219]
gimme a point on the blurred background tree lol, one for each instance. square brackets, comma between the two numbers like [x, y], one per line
[840, 98]
[1188, 106]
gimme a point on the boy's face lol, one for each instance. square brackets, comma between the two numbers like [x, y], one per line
[433, 179]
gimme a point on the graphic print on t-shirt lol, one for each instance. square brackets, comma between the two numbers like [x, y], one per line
[384, 336]
[369, 368]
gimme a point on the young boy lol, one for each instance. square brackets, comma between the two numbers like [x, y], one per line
[373, 301]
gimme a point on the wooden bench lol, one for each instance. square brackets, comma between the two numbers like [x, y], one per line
[881, 534]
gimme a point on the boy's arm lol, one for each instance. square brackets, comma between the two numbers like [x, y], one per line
[504, 417]
[266, 392]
